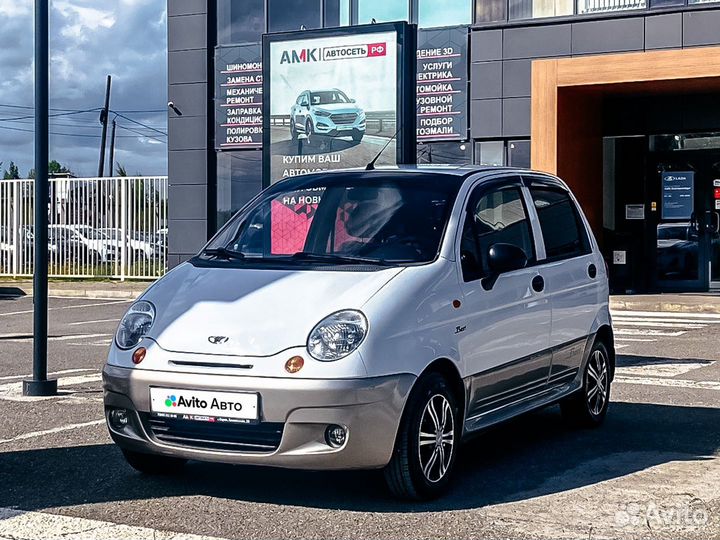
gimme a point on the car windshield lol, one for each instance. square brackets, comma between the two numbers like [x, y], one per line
[336, 219]
[326, 97]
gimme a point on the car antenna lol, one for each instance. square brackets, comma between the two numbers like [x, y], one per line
[371, 166]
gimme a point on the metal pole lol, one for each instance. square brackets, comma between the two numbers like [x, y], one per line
[40, 385]
[104, 121]
[111, 165]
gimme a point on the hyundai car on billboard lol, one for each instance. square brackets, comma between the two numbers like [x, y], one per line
[332, 102]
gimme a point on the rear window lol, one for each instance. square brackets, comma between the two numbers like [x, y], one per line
[562, 229]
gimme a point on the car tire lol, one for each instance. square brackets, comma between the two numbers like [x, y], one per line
[293, 131]
[422, 461]
[357, 136]
[588, 407]
[153, 464]
[309, 132]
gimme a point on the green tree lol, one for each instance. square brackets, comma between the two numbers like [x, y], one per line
[12, 172]
[54, 167]
[120, 170]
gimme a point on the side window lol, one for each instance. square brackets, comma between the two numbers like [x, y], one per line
[562, 229]
[495, 217]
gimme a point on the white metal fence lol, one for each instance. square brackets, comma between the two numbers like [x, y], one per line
[99, 227]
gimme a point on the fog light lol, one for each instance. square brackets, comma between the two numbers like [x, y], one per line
[295, 364]
[139, 355]
[335, 436]
[118, 419]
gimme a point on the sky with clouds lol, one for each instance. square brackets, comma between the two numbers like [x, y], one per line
[89, 39]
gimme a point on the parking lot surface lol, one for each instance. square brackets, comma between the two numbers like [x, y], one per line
[651, 471]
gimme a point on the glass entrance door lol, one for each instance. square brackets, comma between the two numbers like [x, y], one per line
[684, 174]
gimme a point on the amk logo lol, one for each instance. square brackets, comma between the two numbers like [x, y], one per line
[171, 401]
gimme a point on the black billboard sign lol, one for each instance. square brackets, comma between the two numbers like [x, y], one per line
[238, 97]
[338, 98]
[442, 101]
[677, 191]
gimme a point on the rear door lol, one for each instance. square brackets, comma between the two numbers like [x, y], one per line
[504, 336]
[572, 272]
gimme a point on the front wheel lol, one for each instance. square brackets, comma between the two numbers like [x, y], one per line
[588, 406]
[153, 464]
[427, 442]
[309, 132]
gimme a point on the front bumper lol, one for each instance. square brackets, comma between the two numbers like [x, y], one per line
[369, 408]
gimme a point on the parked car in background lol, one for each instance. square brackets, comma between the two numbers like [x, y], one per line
[326, 112]
[140, 245]
[64, 248]
[421, 306]
[100, 248]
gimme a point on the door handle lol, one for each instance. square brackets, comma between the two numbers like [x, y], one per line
[538, 284]
[592, 271]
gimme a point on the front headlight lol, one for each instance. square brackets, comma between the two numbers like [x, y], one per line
[135, 324]
[337, 335]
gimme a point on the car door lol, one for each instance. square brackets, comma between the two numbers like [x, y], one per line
[572, 271]
[504, 339]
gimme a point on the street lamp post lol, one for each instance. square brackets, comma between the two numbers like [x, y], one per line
[40, 385]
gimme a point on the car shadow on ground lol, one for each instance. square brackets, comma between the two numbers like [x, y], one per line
[531, 456]
[11, 293]
[631, 360]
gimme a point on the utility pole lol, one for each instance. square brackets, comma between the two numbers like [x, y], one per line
[104, 121]
[39, 385]
[111, 165]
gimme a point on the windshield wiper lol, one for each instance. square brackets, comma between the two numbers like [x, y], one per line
[340, 259]
[223, 253]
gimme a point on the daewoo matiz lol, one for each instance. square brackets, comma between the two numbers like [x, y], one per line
[367, 319]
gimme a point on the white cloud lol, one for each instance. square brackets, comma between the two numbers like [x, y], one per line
[15, 8]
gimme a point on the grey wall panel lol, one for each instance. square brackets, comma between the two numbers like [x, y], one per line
[187, 32]
[516, 117]
[189, 202]
[486, 118]
[191, 99]
[486, 45]
[517, 78]
[186, 7]
[187, 66]
[701, 28]
[187, 133]
[613, 35]
[486, 80]
[187, 167]
[537, 41]
[186, 235]
[663, 31]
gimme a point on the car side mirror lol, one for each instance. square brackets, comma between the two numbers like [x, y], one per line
[352, 100]
[503, 258]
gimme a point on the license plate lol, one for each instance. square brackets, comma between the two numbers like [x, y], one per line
[202, 404]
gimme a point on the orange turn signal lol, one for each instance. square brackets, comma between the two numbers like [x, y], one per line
[295, 364]
[139, 355]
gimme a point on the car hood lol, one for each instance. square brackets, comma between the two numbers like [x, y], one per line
[261, 311]
[337, 108]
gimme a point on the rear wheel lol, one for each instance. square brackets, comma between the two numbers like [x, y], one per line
[153, 464]
[588, 406]
[427, 441]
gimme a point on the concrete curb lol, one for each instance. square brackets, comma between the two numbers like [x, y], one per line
[16, 290]
[673, 306]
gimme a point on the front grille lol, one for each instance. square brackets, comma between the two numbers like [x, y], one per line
[343, 118]
[227, 436]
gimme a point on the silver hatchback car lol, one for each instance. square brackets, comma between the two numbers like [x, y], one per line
[367, 320]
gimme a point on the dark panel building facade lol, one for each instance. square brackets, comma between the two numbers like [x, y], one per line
[619, 97]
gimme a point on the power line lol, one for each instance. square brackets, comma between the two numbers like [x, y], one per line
[140, 123]
[84, 135]
[70, 113]
[134, 111]
[141, 134]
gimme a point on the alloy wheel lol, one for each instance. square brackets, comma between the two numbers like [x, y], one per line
[597, 382]
[436, 439]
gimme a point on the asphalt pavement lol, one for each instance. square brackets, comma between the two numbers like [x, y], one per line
[651, 471]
